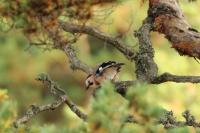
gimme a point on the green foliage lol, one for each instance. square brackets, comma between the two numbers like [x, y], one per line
[109, 110]
[179, 130]
[138, 96]
[7, 111]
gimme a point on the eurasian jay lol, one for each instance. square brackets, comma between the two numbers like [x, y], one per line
[105, 71]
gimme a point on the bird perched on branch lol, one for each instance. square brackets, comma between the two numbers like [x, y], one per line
[105, 71]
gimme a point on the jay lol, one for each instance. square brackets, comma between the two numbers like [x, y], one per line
[105, 71]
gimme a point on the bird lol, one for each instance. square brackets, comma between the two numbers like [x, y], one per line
[105, 71]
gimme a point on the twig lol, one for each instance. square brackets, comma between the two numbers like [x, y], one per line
[169, 121]
[123, 48]
[62, 98]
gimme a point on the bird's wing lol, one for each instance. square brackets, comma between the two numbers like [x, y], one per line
[108, 70]
[103, 66]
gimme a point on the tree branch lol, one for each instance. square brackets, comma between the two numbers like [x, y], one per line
[146, 68]
[169, 121]
[76, 64]
[169, 19]
[121, 86]
[123, 48]
[165, 77]
[62, 98]
[35, 109]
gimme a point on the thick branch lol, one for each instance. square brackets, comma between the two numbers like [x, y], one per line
[168, 19]
[62, 98]
[165, 77]
[75, 28]
[121, 87]
[146, 68]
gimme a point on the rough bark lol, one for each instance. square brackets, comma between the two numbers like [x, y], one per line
[146, 68]
[169, 19]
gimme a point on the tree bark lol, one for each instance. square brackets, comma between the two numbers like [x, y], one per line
[168, 19]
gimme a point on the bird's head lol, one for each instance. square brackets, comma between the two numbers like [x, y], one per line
[90, 82]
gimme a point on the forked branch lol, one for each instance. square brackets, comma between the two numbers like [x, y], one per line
[62, 98]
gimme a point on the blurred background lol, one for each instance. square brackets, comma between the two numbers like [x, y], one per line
[20, 63]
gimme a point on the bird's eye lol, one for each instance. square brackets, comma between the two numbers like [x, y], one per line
[91, 83]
